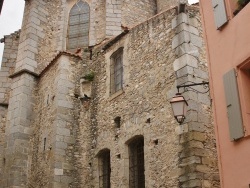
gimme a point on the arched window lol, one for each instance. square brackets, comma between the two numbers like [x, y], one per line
[78, 31]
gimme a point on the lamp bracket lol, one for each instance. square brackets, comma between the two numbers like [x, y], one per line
[189, 87]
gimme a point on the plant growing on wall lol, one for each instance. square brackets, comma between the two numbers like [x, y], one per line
[241, 5]
[89, 76]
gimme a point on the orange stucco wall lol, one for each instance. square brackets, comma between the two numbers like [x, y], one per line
[229, 48]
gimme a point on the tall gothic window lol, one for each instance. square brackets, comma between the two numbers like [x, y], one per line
[116, 71]
[136, 163]
[104, 169]
[78, 30]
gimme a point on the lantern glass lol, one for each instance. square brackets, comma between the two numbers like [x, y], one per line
[179, 107]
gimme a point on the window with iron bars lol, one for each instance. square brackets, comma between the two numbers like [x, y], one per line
[136, 163]
[104, 169]
[116, 71]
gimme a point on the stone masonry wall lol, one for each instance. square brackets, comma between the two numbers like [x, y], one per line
[113, 17]
[175, 156]
[135, 12]
[98, 22]
[166, 4]
[8, 63]
[20, 110]
[55, 125]
[40, 39]
[107, 17]
[30, 35]
[51, 24]
[198, 160]
[148, 75]
[3, 112]
[18, 130]
[54, 133]
[45, 110]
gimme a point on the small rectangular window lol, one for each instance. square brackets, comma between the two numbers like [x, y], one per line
[116, 71]
[136, 164]
[104, 169]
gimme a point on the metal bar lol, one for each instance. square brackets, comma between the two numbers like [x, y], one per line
[189, 85]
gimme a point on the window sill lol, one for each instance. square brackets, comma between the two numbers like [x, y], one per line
[116, 94]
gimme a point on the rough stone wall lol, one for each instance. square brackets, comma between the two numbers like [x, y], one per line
[51, 19]
[55, 125]
[166, 4]
[8, 64]
[175, 156]
[3, 112]
[39, 40]
[98, 26]
[135, 12]
[45, 110]
[42, 34]
[57, 132]
[7, 68]
[148, 75]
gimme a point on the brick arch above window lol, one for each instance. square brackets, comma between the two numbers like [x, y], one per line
[78, 28]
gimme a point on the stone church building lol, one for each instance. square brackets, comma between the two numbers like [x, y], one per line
[85, 87]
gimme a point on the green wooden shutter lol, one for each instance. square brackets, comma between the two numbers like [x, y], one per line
[233, 105]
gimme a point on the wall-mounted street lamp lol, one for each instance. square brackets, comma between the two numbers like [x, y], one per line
[179, 107]
[179, 104]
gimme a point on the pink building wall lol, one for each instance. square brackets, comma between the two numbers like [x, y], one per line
[229, 48]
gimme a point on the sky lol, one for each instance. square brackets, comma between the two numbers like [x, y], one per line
[11, 18]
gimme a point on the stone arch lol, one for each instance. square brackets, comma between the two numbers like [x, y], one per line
[78, 25]
[102, 151]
